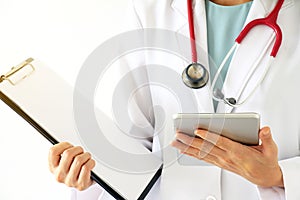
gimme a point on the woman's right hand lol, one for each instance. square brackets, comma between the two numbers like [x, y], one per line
[71, 165]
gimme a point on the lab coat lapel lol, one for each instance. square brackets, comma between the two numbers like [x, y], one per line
[180, 7]
[246, 55]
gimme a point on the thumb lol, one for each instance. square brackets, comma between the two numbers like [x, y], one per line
[268, 145]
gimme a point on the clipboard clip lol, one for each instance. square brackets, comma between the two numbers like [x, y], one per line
[14, 70]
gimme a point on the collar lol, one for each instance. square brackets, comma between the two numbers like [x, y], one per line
[261, 7]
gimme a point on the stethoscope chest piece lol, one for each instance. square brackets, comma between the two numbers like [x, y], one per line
[195, 76]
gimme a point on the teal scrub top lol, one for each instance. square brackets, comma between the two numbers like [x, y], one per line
[224, 23]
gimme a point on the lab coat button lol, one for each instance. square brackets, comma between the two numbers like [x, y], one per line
[210, 197]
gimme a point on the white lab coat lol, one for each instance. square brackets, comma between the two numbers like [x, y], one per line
[276, 100]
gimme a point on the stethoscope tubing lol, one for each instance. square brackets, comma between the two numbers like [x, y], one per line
[249, 75]
[192, 30]
[271, 21]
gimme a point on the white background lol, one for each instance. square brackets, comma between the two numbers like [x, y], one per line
[60, 33]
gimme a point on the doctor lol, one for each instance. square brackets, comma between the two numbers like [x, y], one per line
[268, 171]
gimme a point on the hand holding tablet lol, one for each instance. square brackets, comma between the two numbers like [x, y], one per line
[239, 127]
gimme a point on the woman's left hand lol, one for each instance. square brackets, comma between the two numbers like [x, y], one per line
[258, 164]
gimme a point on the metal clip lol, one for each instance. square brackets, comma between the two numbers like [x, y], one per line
[16, 69]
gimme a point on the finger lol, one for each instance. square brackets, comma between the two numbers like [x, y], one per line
[188, 154]
[55, 154]
[216, 139]
[67, 158]
[76, 165]
[207, 158]
[84, 179]
[258, 148]
[200, 144]
[190, 150]
[185, 148]
[268, 145]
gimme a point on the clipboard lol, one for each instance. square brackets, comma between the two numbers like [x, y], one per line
[44, 100]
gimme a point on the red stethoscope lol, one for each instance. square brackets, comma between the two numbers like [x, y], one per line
[196, 75]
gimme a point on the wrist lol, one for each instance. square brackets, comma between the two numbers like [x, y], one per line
[276, 178]
[279, 178]
[273, 179]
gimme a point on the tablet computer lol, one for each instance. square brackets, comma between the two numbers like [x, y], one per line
[239, 127]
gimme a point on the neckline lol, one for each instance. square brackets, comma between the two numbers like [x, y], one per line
[229, 7]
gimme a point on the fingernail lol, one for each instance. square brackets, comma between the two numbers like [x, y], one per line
[173, 143]
[179, 135]
[266, 132]
[197, 132]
